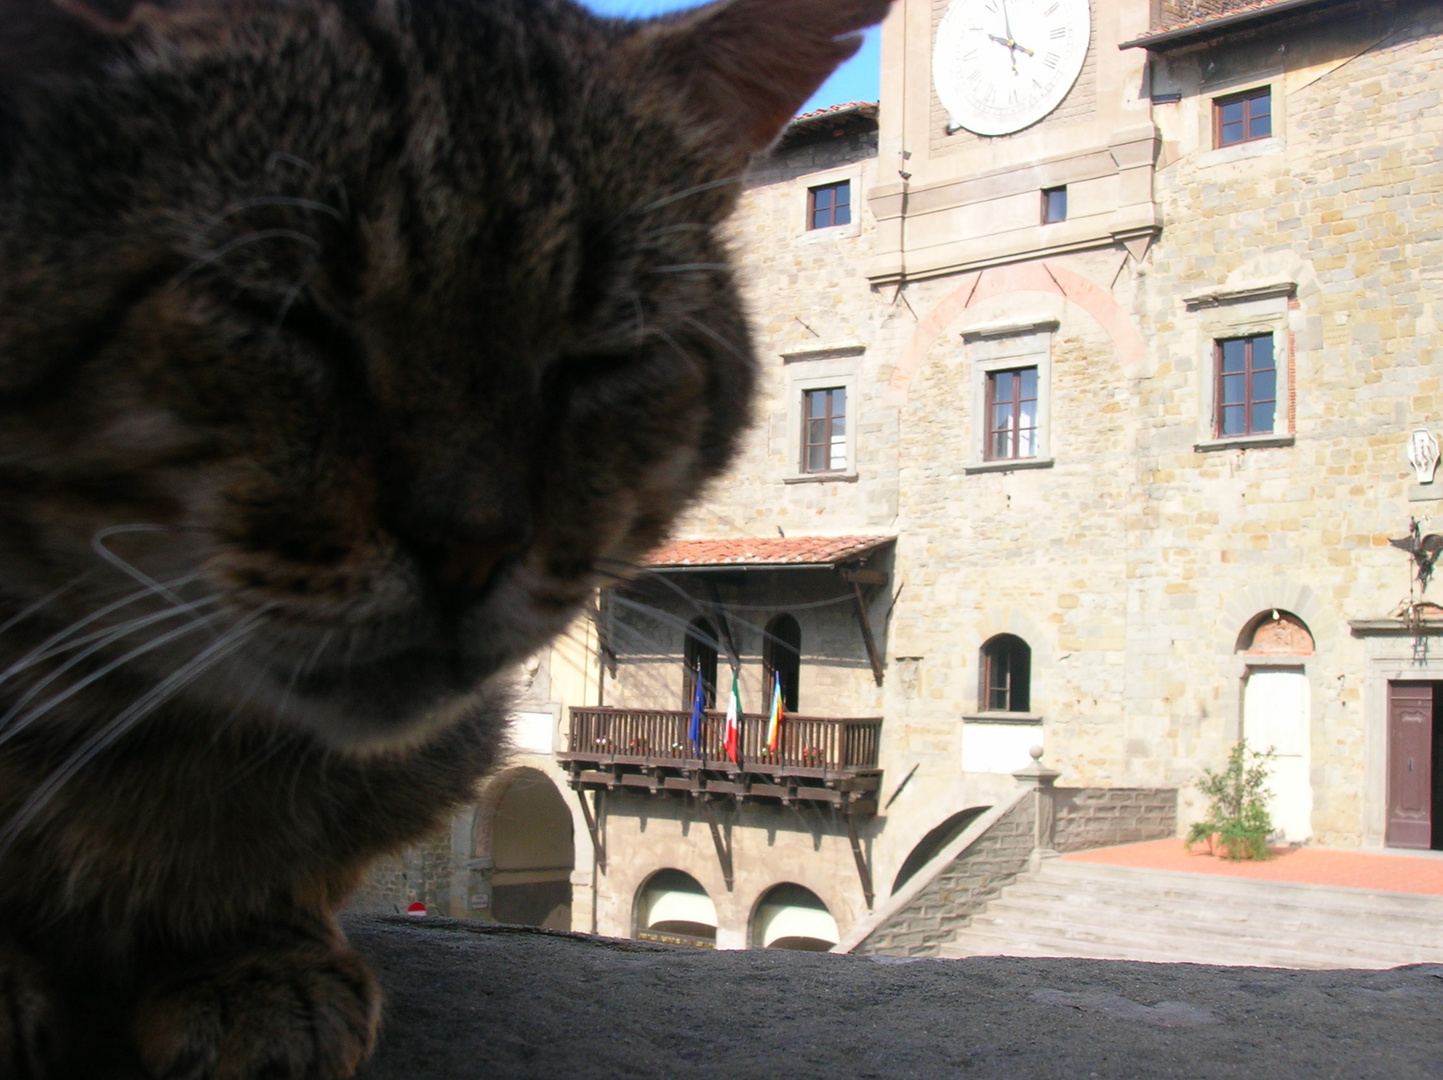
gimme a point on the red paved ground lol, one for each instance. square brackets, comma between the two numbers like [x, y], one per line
[1307, 865]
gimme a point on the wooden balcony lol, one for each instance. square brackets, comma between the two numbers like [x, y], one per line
[819, 759]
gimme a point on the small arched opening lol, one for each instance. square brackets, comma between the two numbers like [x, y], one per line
[1276, 633]
[699, 653]
[791, 916]
[782, 658]
[935, 840]
[672, 907]
[1006, 675]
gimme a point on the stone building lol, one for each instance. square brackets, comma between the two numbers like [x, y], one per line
[1098, 372]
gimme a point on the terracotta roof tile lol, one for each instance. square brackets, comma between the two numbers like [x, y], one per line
[845, 106]
[767, 551]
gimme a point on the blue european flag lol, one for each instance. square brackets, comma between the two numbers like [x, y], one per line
[698, 704]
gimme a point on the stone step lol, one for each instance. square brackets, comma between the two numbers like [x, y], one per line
[1207, 914]
[1160, 935]
[1177, 953]
[1124, 913]
[1260, 922]
[1202, 885]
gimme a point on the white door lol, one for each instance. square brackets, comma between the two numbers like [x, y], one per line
[1276, 713]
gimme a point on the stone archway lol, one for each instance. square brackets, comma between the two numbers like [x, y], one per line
[524, 837]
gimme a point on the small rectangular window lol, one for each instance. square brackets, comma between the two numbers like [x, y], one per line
[828, 205]
[824, 430]
[1247, 381]
[1054, 205]
[1244, 117]
[1012, 414]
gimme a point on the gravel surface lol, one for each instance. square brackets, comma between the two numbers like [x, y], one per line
[468, 1000]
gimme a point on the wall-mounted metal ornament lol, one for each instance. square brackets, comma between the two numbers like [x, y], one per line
[1423, 454]
[1424, 549]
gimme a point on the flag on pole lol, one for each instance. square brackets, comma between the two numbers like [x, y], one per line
[734, 721]
[698, 706]
[774, 725]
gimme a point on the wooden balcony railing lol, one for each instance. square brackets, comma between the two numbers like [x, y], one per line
[826, 758]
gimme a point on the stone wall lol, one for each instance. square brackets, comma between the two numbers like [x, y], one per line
[422, 872]
[1101, 817]
[943, 905]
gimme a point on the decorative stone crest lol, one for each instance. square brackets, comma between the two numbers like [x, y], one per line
[1423, 454]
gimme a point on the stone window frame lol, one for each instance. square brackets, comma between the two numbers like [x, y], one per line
[1224, 89]
[821, 368]
[800, 204]
[1009, 346]
[1244, 310]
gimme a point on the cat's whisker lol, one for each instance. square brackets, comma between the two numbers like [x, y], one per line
[230, 246]
[10, 725]
[68, 632]
[44, 602]
[687, 268]
[259, 201]
[695, 189]
[123, 722]
[283, 157]
[97, 543]
[730, 347]
[105, 636]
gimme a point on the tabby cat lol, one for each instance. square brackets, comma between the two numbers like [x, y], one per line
[345, 347]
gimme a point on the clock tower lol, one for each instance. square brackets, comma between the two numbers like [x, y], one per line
[1011, 130]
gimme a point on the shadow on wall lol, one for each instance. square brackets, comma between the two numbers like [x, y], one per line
[934, 842]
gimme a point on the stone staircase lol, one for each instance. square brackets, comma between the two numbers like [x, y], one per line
[1120, 913]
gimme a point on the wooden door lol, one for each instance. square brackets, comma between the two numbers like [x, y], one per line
[1410, 765]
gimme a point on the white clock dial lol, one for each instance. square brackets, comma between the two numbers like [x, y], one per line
[1001, 65]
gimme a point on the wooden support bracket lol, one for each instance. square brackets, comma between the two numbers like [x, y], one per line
[723, 847]
[863, 870]
[595, 825]
[866, 624]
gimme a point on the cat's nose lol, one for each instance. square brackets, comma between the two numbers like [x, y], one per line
[465, 565]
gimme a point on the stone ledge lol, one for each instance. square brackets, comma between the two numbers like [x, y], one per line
[510, 1003]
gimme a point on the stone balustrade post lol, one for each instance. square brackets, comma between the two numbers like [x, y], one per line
[1041, 779]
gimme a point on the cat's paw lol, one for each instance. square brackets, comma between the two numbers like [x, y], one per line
[307, 1014]
[29, 1034]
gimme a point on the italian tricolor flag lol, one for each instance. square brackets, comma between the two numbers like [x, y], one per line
[734, 722]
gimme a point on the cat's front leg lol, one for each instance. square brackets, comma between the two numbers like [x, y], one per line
[29, 1030]
[309, 1012]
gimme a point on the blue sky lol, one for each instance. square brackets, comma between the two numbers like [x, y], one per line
[855, 80]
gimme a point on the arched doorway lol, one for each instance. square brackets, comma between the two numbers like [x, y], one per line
[532, 845]
[782, 656]
[935, 840]
[673, 907]
[699, 654]
[1277, 713]
[793, 917]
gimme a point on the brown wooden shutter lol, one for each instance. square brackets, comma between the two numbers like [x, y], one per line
[1410, 765]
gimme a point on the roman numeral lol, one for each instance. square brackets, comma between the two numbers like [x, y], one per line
[1052, 59]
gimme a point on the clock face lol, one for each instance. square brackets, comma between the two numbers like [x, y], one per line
[1001, 65]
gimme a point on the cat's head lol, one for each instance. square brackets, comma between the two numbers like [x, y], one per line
[353, 343]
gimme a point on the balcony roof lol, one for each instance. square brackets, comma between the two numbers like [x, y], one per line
[1216, 17]
[794, 552]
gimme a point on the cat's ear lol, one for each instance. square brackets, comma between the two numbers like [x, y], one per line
[747, 66]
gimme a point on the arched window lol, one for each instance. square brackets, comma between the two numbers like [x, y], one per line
[793, 917]
[673, 907]
[1006, 684]
[700, 652]
[782, 655]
